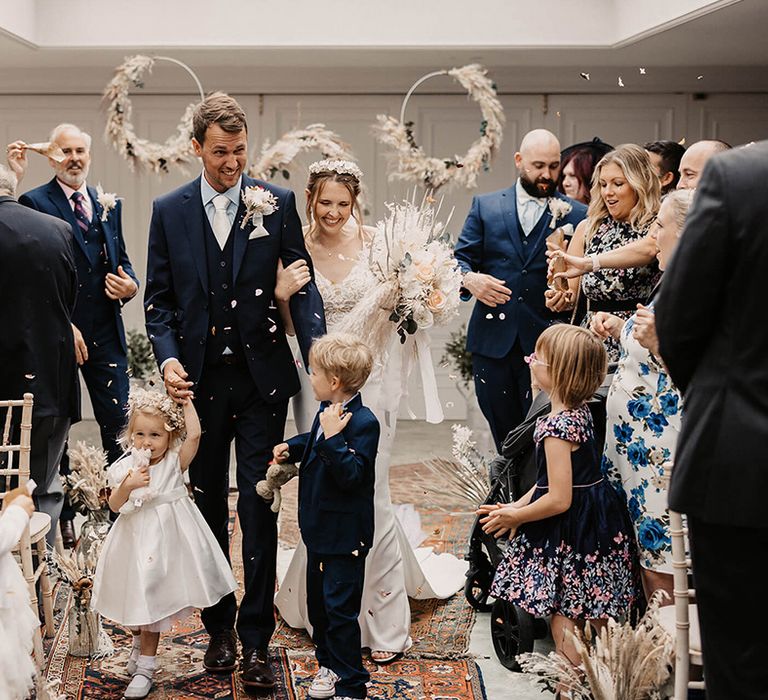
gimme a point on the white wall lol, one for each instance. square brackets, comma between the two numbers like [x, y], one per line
[445, 125]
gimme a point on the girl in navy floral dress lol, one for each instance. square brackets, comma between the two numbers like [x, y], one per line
[572, 555]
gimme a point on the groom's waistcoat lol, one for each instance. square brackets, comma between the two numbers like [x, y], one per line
[223, 329]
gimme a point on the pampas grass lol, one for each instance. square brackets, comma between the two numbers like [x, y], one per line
[86, 483]
[621, 662]
[465, 476]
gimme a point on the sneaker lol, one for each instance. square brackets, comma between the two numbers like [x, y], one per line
[323, 684]
[140, 684]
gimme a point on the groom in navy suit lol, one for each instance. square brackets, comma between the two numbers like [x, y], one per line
[218, 336]
[501, 251]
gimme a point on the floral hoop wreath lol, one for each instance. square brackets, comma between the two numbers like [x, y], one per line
[277, 157]
[413, 164]
[157, 157]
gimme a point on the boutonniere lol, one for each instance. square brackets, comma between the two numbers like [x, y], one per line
[258, 204]
[558, 208]
[107, 200]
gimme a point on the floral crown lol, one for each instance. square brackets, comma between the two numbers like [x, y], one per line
[141, 399]
[340, 167]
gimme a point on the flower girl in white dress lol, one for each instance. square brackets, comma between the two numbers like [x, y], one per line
[17, 621]
[160, 559]
[338, 245]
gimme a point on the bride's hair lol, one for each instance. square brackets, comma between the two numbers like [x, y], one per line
[315, 185]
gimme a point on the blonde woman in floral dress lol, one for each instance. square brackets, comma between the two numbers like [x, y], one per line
[339, 245]
[624, 202]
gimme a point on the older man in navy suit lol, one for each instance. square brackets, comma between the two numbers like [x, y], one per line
[502, 253]
[106, 281]
[214, 326]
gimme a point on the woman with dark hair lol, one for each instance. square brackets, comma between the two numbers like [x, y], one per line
[577, 165]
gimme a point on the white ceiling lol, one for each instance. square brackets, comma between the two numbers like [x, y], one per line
[339, 46]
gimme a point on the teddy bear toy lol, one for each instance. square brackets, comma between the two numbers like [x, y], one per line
[277, 476]
[134, 460]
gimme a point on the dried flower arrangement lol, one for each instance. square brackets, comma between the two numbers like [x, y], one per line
[466, 475]
[119, 131]
[413, 164]
[621, 662]
[86, 483]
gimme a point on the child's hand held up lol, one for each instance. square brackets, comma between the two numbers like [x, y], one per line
[334, 419]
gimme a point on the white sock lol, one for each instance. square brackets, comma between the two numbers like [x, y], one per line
[148, 663]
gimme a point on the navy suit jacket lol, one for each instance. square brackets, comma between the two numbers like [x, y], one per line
[336, 481]
[50, 199]
[177, 296]
[491, 242]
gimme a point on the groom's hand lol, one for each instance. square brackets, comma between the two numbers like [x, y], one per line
[175, 380]
[486, 288]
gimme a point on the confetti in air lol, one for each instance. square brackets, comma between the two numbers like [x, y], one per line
[584, 75]
[621, 82]
[489, 316]
[259, 292]
[642, 71]
[699, 77]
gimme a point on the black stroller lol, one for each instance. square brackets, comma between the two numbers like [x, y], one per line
[512, 474]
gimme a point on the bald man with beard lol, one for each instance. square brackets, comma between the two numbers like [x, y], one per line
[501, 252]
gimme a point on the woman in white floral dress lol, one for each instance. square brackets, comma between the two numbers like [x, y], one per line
[643, 414]
[338, 246]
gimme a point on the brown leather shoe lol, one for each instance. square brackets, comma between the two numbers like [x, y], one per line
[68, 537]
[221, 655]
[255, 671]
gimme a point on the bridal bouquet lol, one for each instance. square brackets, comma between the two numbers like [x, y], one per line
[412, 257]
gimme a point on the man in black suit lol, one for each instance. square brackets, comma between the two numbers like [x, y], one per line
[713, 338]
[106, 280]
[38, 284]
[214, 325]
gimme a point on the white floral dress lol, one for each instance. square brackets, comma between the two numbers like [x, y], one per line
[643, 413]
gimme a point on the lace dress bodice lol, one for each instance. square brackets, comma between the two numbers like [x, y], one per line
[340, 297]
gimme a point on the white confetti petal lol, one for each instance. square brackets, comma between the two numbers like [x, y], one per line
[489, 316]
[259, 292]
[273, 329]
[699, 77]
[502, 316]
[642, 71]
[29, 376]
[584, 75]
[621, 82]
[234, 303]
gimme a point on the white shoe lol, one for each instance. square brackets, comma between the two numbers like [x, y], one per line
[140, 684]
[323, 684]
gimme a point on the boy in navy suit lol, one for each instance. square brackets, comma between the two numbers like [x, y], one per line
[336, 478]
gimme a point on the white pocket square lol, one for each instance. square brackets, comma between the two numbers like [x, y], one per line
[258, 232]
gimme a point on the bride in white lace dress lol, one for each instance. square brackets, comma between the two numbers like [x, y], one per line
[394, 570]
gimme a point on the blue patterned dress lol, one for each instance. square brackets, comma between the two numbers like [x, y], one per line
[642, 424]
[581, 563]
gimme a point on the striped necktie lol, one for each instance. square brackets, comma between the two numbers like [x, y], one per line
[80, 213]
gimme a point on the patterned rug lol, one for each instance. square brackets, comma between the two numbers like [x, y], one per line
[436, 667]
